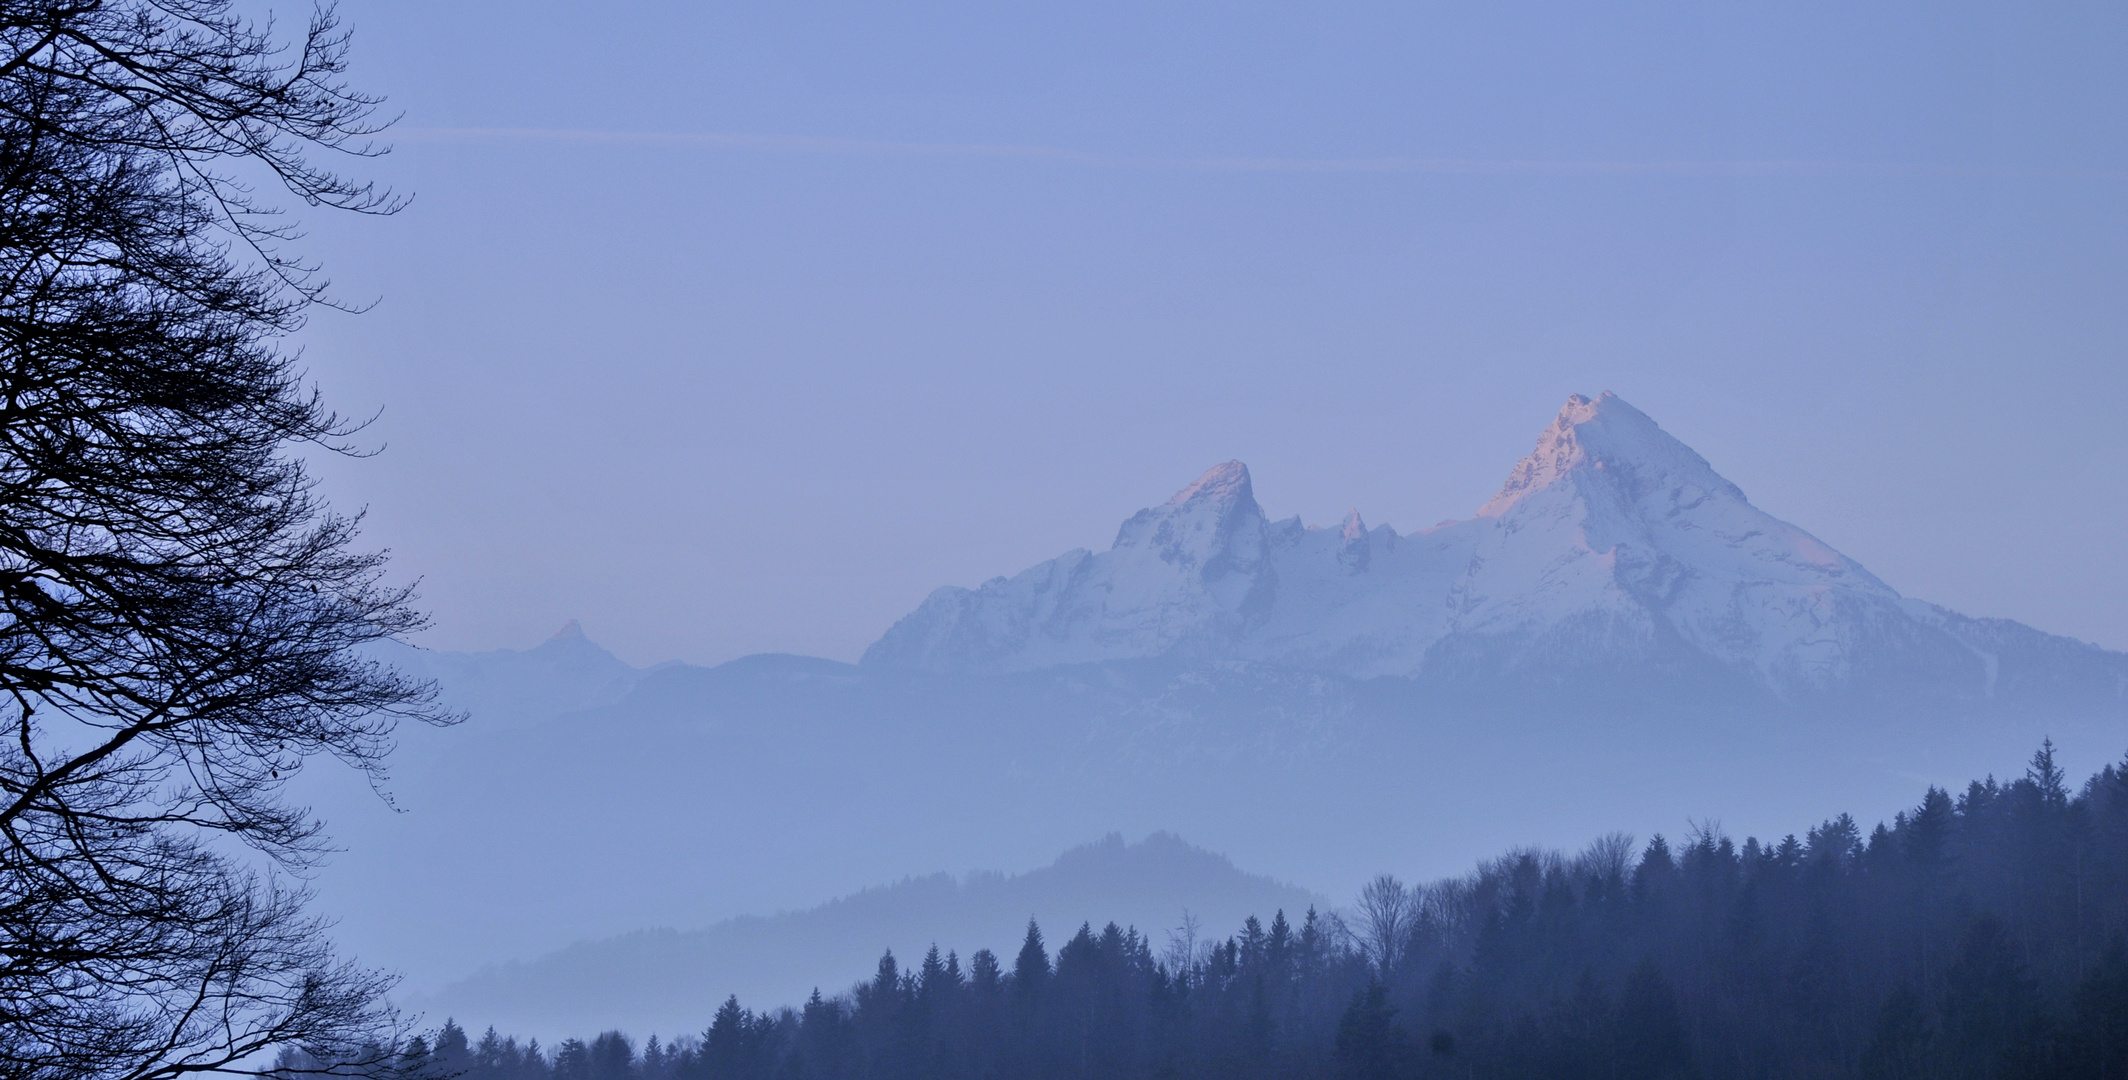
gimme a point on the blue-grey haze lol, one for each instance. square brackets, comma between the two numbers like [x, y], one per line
[736, 329]
[901, 295]
[1619, 642]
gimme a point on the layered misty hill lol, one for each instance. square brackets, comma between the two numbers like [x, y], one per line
[1612, 548]
[671, 981]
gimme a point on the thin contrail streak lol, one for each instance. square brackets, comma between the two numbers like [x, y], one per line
[807, 144]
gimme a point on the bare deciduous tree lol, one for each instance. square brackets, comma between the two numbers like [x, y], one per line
[1607, 859]
[181, 619]
[1387, 908]
[1183, 948]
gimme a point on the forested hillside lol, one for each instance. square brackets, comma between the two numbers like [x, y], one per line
[1979, 934]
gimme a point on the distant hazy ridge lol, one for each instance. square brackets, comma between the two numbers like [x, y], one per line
[669, 980]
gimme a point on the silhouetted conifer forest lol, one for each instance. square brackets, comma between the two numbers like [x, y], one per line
[1976, 935]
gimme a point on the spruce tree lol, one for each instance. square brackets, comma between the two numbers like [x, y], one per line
[1030, 970]
[1651, 1028]
[1370, 1043]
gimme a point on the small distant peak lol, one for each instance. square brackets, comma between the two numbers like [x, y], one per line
[1354, 527]
[1222, 482]
[570, 631]
[1355, 551]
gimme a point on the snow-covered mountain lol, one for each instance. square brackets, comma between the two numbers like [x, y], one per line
[1612, 547]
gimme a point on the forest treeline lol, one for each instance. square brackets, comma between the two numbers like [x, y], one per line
[1979, 934]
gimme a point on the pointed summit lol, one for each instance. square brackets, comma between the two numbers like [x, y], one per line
[570, 631]
[1187, 577]
[1212, 528]
[1214, 523]
[1607, 436]
[1223, 482]
[1354, 551]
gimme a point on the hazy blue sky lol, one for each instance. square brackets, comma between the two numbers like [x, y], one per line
[738, 328]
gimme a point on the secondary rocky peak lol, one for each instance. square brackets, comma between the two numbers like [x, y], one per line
[1215, 522]
[1227, 481]
[1355, 529]
[1354, 551]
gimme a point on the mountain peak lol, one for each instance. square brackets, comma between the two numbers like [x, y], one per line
[570, 631]
[1611, 546]
[1354, 552]
[1213, 524]
[1222, 482]
[1606, 435]
[1355, 529]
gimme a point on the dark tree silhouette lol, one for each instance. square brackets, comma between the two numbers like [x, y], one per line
[1030, 971]
[2098, 1043]
[1900, 1047]
[1651, 1028]
[1992, 1011]
[1371, 1045]
[1975, 936]
[181, 620]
